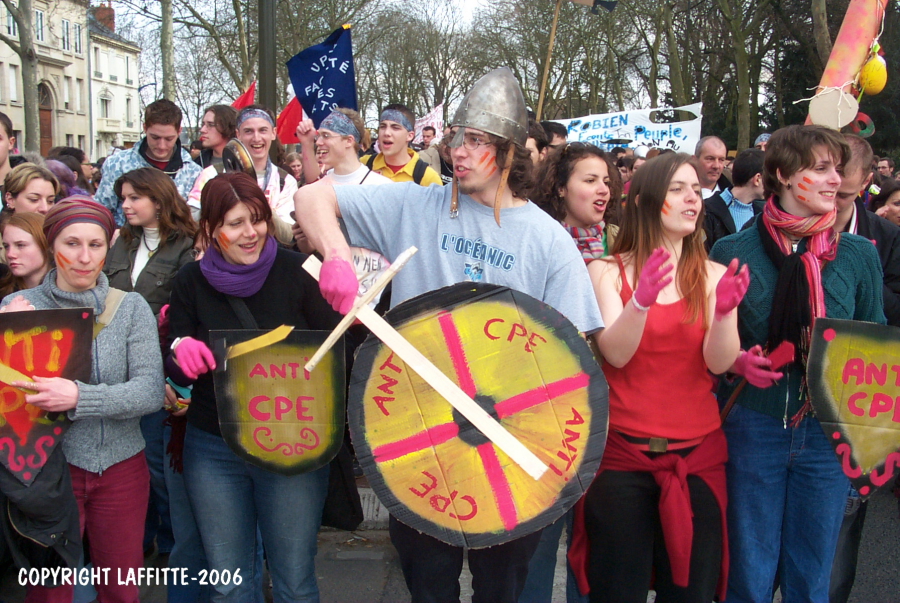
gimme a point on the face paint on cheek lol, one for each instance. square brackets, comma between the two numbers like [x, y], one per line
[484, 158]
[807, 180]
[224, 241]
[492, 172]
[62, 261]
[802, 198]
[666, 207]
[802, 186]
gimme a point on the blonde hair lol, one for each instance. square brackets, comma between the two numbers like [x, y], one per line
[18, 178]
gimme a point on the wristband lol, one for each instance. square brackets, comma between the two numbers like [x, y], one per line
[175, 343]
[638, 306]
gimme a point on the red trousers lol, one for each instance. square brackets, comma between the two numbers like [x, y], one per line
[112, 507]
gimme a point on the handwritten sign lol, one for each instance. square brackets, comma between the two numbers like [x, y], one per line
[45, 343]
[649, 127]
[435, 119]
[854, 382]
[521, 361]
[276, 415]
[323, 76]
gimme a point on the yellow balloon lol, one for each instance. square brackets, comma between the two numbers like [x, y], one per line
[873, 77]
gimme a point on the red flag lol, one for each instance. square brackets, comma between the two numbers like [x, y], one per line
[288, 121]
[246, 99]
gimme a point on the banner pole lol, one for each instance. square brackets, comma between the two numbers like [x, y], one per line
[540, 109]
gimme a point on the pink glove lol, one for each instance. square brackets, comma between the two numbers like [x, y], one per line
[731, 289]
[194, 357]
[654, 277]
[338, 284]
[756, 368]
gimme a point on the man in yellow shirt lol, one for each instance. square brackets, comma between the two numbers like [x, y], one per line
[397, 160]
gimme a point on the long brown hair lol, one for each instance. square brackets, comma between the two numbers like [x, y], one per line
[33, 224]
[174, 215]
[553, 175]
[641, 230]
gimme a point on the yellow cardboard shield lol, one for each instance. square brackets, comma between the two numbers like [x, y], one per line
[854, 384]
[274, 414]
[525, 364]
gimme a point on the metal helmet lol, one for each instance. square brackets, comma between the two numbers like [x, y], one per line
[494, 105]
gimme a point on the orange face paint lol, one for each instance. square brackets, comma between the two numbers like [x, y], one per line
[224, 241]
[807, 180]
[493, 171]
[802, 198]
[61, 259]
[666, 207]
[483, 158]
[802, 186]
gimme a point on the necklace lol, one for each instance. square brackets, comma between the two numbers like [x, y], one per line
[150, 252]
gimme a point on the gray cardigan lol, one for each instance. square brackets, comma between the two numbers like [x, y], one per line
[126, 375]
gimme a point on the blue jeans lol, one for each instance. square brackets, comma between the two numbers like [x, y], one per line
[542, 567]
[187, 551]
[786, 496]
[230, 497]
[159, 525]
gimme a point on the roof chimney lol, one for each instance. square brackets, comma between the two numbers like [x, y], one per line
[106, 16]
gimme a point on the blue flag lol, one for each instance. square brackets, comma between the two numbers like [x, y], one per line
[323, 75]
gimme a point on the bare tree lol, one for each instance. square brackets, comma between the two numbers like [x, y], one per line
[23, 15]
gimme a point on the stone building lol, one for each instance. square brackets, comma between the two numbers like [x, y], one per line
[116, 111]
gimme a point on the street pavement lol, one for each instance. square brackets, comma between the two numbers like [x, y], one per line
[362, 566]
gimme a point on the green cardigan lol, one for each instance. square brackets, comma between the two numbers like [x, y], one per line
[853, 291]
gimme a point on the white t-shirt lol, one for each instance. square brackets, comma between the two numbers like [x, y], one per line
[530, 252]
[149, 243]
[361, 175]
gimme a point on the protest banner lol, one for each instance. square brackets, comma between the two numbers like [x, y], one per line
[323, 76]
[435, 119]
[854, 384]
[42, 343]
[523, 363]
[272, 412]
[649, 127]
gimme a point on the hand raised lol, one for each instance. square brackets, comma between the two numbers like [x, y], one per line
[731, 289]
[654, 277]
[338, 284]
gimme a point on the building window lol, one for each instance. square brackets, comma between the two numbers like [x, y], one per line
[66, 39]
[14, 83]
[39, 25]
[128, 111]
[81, 142]
[77, 35]
[67, 93]
[105, 107]
[128, 70]
[70, 140]
[79, 94]
[12, 29]
[97, 72]
[2, 73]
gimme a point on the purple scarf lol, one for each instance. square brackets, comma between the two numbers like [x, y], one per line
[234, 279]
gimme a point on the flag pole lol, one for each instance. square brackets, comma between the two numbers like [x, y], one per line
[540, 108]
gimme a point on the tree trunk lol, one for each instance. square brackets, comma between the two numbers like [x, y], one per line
[167, 49]
[676, 78]
[820, 30]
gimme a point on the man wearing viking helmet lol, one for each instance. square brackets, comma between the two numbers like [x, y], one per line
[483, 228]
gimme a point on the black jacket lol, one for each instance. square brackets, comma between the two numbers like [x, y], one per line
[39, 523]
[154, 282]
[718, 222]
[886, 237]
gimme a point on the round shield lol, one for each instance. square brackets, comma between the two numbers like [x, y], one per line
[520, 360]
[236, 158]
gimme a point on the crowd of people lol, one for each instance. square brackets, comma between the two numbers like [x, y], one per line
[683, 271]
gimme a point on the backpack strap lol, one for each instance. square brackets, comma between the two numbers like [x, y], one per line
[419, 171]
[282, 178]
[113, 300]
[370, 161]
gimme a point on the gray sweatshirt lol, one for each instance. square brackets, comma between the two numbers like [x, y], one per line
[126, 375]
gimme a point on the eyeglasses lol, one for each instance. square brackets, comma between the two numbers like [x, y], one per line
[473, 141]
[327, 136]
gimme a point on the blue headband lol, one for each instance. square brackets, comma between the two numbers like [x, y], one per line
[341, 124]
[396, 116]
[246, 114]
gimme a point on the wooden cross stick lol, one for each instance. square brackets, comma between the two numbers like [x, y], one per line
[451, 392]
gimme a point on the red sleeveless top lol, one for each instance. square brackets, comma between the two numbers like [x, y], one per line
[665, 390]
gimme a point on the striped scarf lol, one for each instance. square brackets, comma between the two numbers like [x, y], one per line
[799, 296]
[589, 240]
